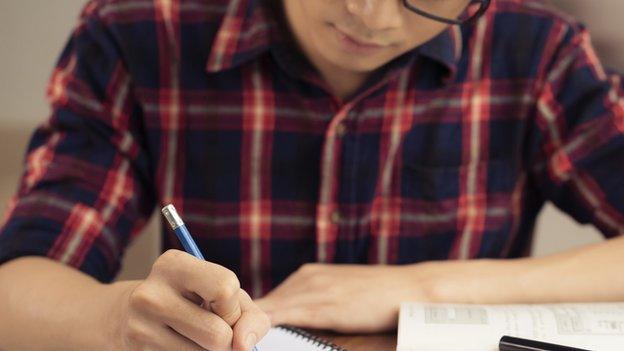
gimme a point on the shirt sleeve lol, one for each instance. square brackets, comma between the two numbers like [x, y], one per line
[578, 141]
[86, 189]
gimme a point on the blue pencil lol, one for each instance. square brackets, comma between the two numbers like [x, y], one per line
[183, 234]
[181, 231]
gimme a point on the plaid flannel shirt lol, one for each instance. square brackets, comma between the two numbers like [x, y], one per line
[447, 152]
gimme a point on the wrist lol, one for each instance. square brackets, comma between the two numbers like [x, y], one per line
[474, 281]
[114, 301]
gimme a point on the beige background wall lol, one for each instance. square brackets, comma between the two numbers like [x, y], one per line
[32, 33]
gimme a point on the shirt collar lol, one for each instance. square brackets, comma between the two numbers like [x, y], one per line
[243, 34]
[446, 48]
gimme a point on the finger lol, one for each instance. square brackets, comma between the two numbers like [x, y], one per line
[216, 285]
[169, 339]
[204, 328]
[251, 327]
[149, 334]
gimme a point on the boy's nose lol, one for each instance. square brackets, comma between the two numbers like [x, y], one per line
[377, 15]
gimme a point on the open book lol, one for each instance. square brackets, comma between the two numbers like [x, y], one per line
[451, 327]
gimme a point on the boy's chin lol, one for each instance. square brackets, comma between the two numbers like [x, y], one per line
[358, 64]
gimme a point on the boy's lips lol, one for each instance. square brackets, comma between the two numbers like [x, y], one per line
[355, 45]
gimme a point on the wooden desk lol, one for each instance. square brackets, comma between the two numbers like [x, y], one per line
[376, 342]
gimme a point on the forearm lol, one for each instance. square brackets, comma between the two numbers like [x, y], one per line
[590, 273]
[47, 306]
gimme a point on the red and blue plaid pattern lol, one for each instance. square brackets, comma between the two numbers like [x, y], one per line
[448, 152]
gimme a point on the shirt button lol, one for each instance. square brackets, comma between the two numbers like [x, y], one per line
[335, 217]
[341, 130]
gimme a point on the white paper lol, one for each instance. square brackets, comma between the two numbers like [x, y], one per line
[451, 327]
[278, 339]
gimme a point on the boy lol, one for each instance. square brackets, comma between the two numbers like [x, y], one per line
[413, 140]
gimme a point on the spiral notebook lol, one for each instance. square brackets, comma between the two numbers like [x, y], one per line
[286, 338]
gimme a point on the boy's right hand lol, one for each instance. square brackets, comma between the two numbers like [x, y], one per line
[189, 304]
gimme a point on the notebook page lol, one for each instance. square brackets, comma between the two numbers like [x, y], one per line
[278, 339]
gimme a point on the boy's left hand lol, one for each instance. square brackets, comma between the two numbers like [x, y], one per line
[343, 298]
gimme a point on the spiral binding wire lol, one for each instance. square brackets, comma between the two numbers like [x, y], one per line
[316, 341]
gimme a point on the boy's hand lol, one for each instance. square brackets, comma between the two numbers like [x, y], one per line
[343, 298]
[189, 304]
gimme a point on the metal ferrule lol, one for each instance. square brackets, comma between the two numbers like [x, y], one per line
[172, 217]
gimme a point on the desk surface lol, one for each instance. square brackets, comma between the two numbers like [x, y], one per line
[376, 342]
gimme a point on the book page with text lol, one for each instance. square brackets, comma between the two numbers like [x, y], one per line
[449, 327]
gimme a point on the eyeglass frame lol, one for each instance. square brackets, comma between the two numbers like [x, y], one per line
[485, 4]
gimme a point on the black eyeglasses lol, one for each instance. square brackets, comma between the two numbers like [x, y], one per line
[432, 9]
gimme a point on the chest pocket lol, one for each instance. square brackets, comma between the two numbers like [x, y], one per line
[435, 208]
[442, 183]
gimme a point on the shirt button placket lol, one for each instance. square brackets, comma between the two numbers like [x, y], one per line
[336, 217]
[341, 130]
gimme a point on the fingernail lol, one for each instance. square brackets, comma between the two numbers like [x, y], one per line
[250, 341]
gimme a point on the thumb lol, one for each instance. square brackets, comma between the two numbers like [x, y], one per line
[252, 325]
